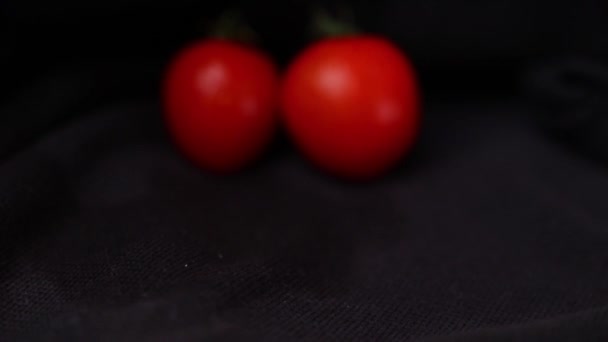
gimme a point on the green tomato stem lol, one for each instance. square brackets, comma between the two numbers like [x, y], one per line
[230, 26]
[325, 25]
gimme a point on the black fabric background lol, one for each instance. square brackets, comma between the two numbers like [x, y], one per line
[493, 230]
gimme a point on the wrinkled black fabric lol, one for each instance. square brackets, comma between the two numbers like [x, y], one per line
[492, 230]
[572, 101]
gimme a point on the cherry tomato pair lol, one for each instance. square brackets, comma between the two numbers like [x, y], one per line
[350, 104]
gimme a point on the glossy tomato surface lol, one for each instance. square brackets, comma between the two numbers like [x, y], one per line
[220, 103]
[352, 105]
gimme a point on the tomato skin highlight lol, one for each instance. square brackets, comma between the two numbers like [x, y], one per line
[351, 105]
[220, 100]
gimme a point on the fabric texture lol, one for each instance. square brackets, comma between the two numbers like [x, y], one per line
[492, 230]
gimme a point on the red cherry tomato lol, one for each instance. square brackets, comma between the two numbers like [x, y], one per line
[220, 103]
[351, 104]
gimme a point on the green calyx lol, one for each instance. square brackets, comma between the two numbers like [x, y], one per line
[230, 26]
[326, 25]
